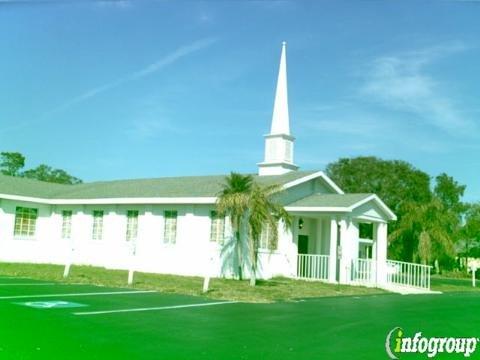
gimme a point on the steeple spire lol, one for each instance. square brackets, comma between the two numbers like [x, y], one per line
[279, 143]
[280, 119]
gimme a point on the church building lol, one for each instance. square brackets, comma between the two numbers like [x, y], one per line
[169, 225]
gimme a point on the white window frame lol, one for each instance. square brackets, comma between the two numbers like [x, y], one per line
[217, 227]
[97, 226]
[67, 224]
[132, 225]
[170, 226]
[25, 224]
[266, 238]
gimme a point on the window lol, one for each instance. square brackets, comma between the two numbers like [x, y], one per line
[66, 224]
[217, 229]
[170, 226]
[97, 232]
[25, 221]
[267, 238]
[132, 224]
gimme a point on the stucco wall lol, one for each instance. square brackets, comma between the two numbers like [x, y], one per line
[192, 254]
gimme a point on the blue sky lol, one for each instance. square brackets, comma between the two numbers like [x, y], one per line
[131, 89]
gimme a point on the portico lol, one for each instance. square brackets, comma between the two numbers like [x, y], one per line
[328, 226]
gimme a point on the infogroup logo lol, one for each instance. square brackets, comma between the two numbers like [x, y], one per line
[397, 343]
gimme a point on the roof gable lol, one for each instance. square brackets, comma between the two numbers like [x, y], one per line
[367, 206]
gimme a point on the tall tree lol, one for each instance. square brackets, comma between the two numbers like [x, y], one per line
[450, 192]
[400, 185]
[251, 208]
[11, 163]
[395, 182]
[469, 239]
[233, 201]
[427, 227]
[46, 173]
[263, 212]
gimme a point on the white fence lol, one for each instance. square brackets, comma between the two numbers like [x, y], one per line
[313, 267]
[363, 271]
[399, 273]
[408, 274]
[368, 272]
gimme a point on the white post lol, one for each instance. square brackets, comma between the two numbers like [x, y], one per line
[132, 263]
[211, 250]
[474, 269]
[66, 272]
[130, 276]
[206, 282]
[68, 263]
[332, 260]
[380, 234]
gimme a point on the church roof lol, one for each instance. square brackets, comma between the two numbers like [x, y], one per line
[330, 200]
[185, 186]
[338, 202]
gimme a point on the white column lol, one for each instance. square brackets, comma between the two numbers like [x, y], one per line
[380, 251]
[349, 248]
[332, 265]
[345, 258]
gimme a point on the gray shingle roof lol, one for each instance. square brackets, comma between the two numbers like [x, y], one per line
[185, 186]
[330, 200]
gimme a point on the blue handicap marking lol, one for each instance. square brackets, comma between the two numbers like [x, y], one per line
[56, 304]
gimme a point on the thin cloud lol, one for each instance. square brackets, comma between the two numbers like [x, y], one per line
[400, 82]
[169, 59]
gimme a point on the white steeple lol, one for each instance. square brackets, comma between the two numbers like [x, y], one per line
[279, 143]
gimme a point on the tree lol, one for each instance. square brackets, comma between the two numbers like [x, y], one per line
[395, 182]
[400, 185]
[263, 212]
[450, 193]
[233, 201]
[46, 173]
[427, 226]
[11, 163]
[429, 222]
[469, 239]
[250, 208]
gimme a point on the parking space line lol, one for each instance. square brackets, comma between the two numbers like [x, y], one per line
[28, 284]
[76, 294]
[153, 308]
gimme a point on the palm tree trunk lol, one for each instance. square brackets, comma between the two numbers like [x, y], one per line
[239, 255]
[253, 256]
[253, 276]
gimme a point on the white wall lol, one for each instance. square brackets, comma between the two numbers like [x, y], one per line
[192, 254]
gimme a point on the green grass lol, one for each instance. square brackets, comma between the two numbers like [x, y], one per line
[453, 284]
[277, 289]
[343, 327]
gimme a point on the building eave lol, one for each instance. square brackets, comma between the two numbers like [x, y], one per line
[109, 201]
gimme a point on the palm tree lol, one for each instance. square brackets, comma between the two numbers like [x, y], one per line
[233, 201]
[250, 208]
[428, 229]
[263, 212]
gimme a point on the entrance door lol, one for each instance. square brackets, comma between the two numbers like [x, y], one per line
[303, 244]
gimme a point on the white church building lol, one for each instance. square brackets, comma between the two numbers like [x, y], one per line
[169, 225]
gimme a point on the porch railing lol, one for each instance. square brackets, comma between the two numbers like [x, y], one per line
[312, 266]
[363, 271]
[408, 274]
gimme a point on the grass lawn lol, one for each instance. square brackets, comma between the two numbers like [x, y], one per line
[222, 289]
[450, 284]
